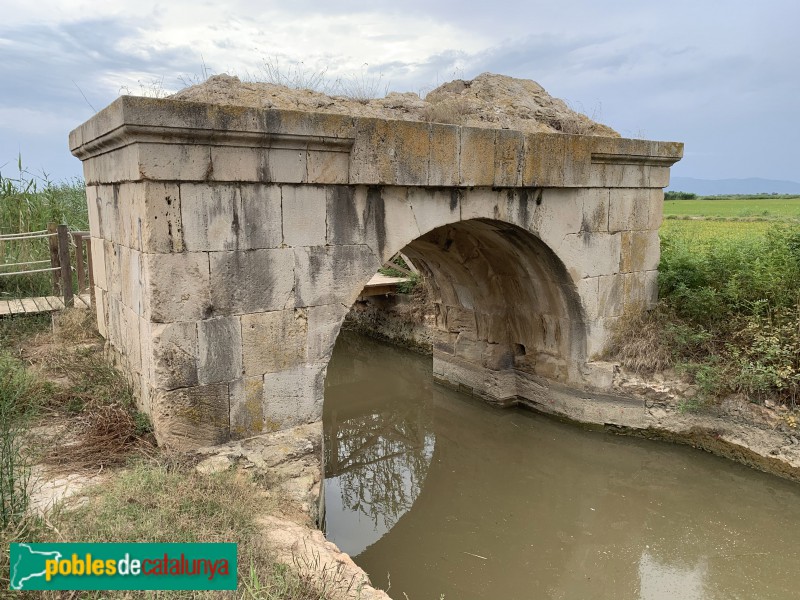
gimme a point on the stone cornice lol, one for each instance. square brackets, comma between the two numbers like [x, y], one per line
[379, 151]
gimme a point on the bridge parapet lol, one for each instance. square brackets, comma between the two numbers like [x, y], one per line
[231, 242]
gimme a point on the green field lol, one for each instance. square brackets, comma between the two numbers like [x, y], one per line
[736, 207]
[706, 219]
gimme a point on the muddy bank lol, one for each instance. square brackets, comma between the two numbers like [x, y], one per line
[289, 466]
[405, 320]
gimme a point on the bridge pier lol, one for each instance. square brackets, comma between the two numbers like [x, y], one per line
[230, 242]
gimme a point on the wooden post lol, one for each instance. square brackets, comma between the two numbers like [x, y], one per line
[54, 260]
[66, 272]
[78, 237]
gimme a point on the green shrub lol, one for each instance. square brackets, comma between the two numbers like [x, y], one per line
[729, 314]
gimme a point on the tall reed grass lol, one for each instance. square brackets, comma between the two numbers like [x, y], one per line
[28, 202]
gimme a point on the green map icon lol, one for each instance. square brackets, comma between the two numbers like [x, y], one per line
[28, 564]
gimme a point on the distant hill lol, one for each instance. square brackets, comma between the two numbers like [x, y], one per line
[716, 187]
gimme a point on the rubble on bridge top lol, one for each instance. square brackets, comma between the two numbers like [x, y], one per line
[489, 100]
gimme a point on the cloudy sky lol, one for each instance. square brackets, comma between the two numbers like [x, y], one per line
[720, 76]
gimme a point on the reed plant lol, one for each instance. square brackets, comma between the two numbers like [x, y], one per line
[28, 202]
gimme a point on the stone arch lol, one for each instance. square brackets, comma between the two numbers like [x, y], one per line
[228, 243]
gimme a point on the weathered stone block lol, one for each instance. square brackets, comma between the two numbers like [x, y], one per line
[220, 350]
[230, 163]
[477, 159]
[432, 209]
[130, 274]
[260, 224]
[100, 304]
[274, 341]
[389, 221]
[588, 291]
[111, 253]
[444, 341]
[189, 418]
[484, 203]
[509, 158]
[247, 406]
[390, 152]
[590, 254]
[468, 348]
[304, 215]
[93, 209]
[595, 209]
[497, 357]
[173, 354]
[610, 290]
[461, 320]
[559, 213]
[121, 164]
[176, 287]
[328, 167]
[251, 281]
[286, 165]
[184, 162]
[346, 208]
[99, 263]
[332, 274]
[443, 164]
[629, 209]
[324, 323]
[210, 216]
[226, 217]
[158, 212]
[293, 396]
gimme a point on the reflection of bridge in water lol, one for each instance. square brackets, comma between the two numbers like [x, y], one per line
[378, 444]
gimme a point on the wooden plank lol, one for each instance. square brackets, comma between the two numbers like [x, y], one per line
[16, 307]
[82, 301]
[29, 305]
[66, 272]
[36, 303]
[41, 304]
[5, 309]
[56, 302]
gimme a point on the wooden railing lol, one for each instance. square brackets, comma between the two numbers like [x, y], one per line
[60, 241]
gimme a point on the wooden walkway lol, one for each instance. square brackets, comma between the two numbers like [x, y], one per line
[27, 306]
[381, 284]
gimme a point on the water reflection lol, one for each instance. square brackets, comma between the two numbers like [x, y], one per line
[442, 494]
[378, 443]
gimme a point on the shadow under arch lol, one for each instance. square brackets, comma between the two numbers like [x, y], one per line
[508, 314]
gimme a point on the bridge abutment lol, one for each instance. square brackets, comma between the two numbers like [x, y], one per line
[229, 243]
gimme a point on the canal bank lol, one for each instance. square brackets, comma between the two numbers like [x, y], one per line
[663, 406]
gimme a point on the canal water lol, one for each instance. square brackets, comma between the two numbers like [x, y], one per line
[434, 493]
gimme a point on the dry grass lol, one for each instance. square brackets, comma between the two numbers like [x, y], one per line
[639, 344]
[93, 400]
[451, 111]
[164, 499]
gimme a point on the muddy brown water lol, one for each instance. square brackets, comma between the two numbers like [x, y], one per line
[434, 493]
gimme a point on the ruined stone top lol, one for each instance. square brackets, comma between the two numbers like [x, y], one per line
[488, 101]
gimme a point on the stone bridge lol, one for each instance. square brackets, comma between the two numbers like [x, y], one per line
[229, 243]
